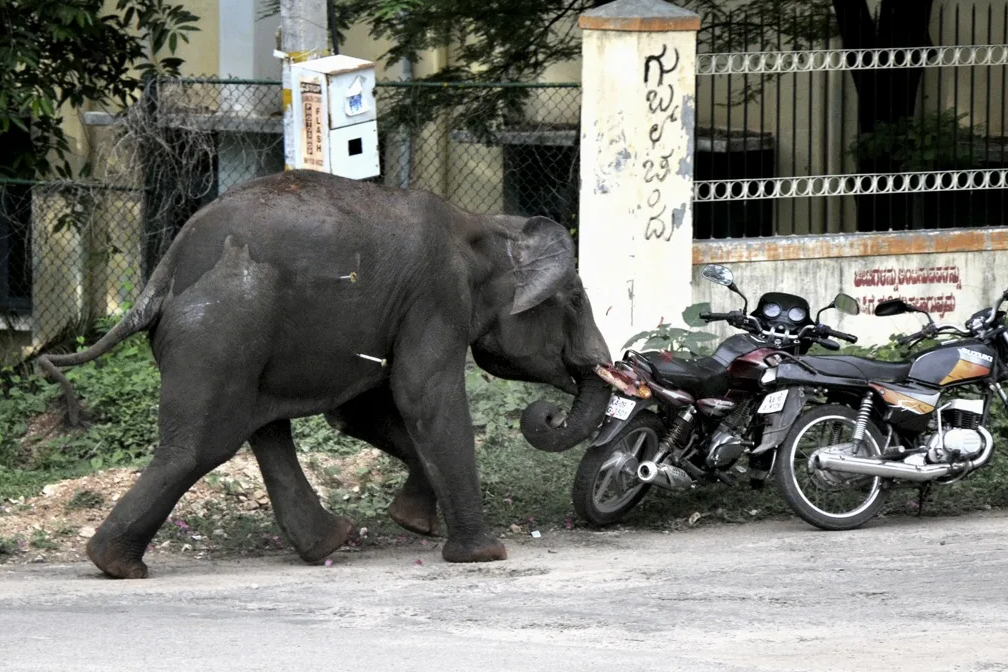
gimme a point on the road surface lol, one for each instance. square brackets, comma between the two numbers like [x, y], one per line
[901, 594]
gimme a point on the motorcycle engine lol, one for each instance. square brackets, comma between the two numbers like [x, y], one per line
[726, 444]
[959, 438]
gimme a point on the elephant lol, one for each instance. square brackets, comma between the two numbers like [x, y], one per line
[304, 293]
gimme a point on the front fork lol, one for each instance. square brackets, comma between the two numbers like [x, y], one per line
[996, 388]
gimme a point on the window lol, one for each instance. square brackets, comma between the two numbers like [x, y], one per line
[15, 236]
[541, 175]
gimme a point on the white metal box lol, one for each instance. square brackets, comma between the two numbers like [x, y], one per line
[334, 116]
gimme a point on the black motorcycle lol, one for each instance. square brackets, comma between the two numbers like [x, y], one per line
[850, 428]
[675, 422]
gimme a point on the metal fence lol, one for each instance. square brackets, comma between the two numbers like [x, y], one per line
[68, 255]
[823, 139]
[71, 252]
[485, 147]
[793, 137]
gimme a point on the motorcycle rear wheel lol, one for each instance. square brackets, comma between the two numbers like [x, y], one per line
[615, 464]
[806, 489]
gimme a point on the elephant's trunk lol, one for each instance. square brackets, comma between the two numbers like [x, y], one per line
[549, 428]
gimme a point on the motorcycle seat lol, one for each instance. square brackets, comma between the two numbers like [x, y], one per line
[702, 377]
[849, 366]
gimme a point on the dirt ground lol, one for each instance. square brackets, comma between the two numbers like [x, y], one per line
[900, 594]
[55, 526]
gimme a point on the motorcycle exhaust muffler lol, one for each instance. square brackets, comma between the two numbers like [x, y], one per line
[663, 475]
[871, 466]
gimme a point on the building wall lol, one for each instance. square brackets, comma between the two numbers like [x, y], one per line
[950, 274]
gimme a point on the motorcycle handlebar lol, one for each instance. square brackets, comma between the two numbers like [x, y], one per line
[826, 343]
[829, 331]
[714, 317]
[923, 333]
[903, 340]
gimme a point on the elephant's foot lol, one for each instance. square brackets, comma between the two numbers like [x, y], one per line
[114, 560]
[482, 548]
[337, 530]
[415, 513]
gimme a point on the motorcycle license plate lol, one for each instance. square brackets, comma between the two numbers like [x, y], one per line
[773, 403]
[620, 408]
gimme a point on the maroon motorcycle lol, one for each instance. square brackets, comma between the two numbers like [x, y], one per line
[675, 422]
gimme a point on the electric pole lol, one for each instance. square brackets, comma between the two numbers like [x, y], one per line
[304, 35]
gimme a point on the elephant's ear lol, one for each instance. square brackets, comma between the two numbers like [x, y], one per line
[543, 259]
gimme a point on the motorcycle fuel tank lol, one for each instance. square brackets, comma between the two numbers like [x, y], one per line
[734, 347]
[953, 364]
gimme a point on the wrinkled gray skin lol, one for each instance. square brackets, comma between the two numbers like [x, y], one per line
[252, 323]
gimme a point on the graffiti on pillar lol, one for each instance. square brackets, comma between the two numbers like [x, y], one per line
[659, 60]
[659, 94]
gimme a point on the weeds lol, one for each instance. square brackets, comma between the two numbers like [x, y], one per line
[9, 546]
[41, 540]
[85, 499]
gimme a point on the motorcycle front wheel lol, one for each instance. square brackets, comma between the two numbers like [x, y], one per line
[606, 486]
[829, 500]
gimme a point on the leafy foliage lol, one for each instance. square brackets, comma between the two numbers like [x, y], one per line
[55, 53]
[517, 40]
[679, 341]
[932, 142]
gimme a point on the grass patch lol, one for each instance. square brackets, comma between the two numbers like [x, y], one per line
[41, 540]
[85, 499]
[9, 546]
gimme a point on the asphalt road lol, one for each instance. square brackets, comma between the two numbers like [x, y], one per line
[902, 594]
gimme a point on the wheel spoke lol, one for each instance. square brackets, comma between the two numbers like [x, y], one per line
[637, 446]
[604, 485]
[832, 493]
[614, 472]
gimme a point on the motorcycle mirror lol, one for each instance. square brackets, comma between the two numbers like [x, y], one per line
[842, 302]
[718, 274]
[893, 307]
[846, 304]
[722, 275]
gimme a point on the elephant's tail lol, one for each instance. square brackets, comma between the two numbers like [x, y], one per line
[140, 317]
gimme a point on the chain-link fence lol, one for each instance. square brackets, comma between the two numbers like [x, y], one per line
[68, 255]
[71, 252]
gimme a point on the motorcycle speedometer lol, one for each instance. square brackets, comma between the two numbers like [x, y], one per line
[796, 314]
[771, 310]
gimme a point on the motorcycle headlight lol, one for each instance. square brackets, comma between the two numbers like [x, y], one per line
[769, 376]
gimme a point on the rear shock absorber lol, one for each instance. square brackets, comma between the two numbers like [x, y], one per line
[864, 414]
[679, 432]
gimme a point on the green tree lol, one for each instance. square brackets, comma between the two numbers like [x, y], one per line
[56, 52]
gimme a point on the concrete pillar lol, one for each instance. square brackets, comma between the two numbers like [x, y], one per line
[637, 130]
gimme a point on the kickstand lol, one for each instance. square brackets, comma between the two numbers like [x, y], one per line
[922, 494]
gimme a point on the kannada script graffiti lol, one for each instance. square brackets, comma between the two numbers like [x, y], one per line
[892, 279]
[662, 220]
[895, 278]
[935, 305]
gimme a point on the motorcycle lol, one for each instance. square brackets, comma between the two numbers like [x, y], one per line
[874, 425]
[674, 422]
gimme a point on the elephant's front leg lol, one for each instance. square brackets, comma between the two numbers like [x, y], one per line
[428, 385]
[373, 418]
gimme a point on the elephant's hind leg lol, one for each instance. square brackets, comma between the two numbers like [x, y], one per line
[313, 531]
[200, 427]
